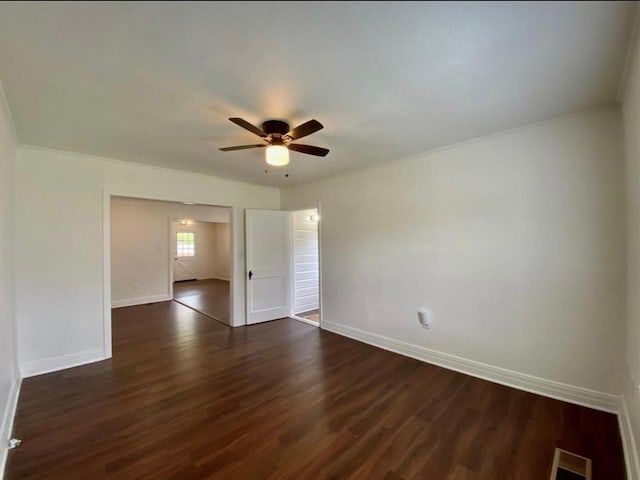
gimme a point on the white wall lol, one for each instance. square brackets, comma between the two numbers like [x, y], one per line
[515, 243]
[140, 246]
[222, 251]
[59, 258]
[206, 235]
[305, 261]
[8, 355]
[631, 117]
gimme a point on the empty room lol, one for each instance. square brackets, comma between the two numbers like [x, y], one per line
[320, 240]
[161, 251]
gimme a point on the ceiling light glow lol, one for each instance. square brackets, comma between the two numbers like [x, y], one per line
[277, 155]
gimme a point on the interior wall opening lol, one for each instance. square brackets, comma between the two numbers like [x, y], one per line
[163, 251]
[305, 278]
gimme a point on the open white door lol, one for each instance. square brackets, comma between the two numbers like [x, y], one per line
[267, 262]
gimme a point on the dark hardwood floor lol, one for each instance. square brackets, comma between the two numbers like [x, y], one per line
[185, 397]
[210, 297]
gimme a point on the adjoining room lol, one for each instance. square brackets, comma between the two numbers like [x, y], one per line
[162, 251]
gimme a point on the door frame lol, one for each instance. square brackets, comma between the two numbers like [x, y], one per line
[106, 255]
[292, 267]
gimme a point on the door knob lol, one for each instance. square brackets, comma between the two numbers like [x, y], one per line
[250, 274]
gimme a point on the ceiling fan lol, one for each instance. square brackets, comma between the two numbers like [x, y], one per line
[278, 138]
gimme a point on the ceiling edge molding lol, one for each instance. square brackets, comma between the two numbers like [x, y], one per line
[355, 171]
[604, 107]
[90, 156]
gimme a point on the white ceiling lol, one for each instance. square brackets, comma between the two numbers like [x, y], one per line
[155, 82]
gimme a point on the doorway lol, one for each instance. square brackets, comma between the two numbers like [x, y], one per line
[305, 266]
[283, 257]
[201, 260]
[139, 248]
[184, 261]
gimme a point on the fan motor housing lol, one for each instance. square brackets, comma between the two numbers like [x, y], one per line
[279, 127]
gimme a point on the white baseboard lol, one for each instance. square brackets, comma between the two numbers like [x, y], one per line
[7, 423]
[521, 381]
[130, 302]
[628, 442]
[47, 365]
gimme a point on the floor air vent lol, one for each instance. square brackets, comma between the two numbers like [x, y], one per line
[569, 466]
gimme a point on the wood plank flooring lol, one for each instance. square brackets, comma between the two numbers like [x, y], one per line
[210, 297]
[313, 315]
[185, 397]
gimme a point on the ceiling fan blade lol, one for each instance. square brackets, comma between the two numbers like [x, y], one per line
[243, 147]
[248, 126]
[309, 149]
[305, 129]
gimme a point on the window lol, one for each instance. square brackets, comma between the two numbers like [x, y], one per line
[186, 244]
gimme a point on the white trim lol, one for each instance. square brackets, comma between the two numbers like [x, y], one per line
[521, 381]
[130, 302]
[292, 268]
[628, 442]
[320, 296]
[305, 320]
[6, 429]
[232, 269]
[172, 253]
[38, 367]
[106, 274]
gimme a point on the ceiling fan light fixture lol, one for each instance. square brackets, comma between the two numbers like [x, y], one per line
[277, 155]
